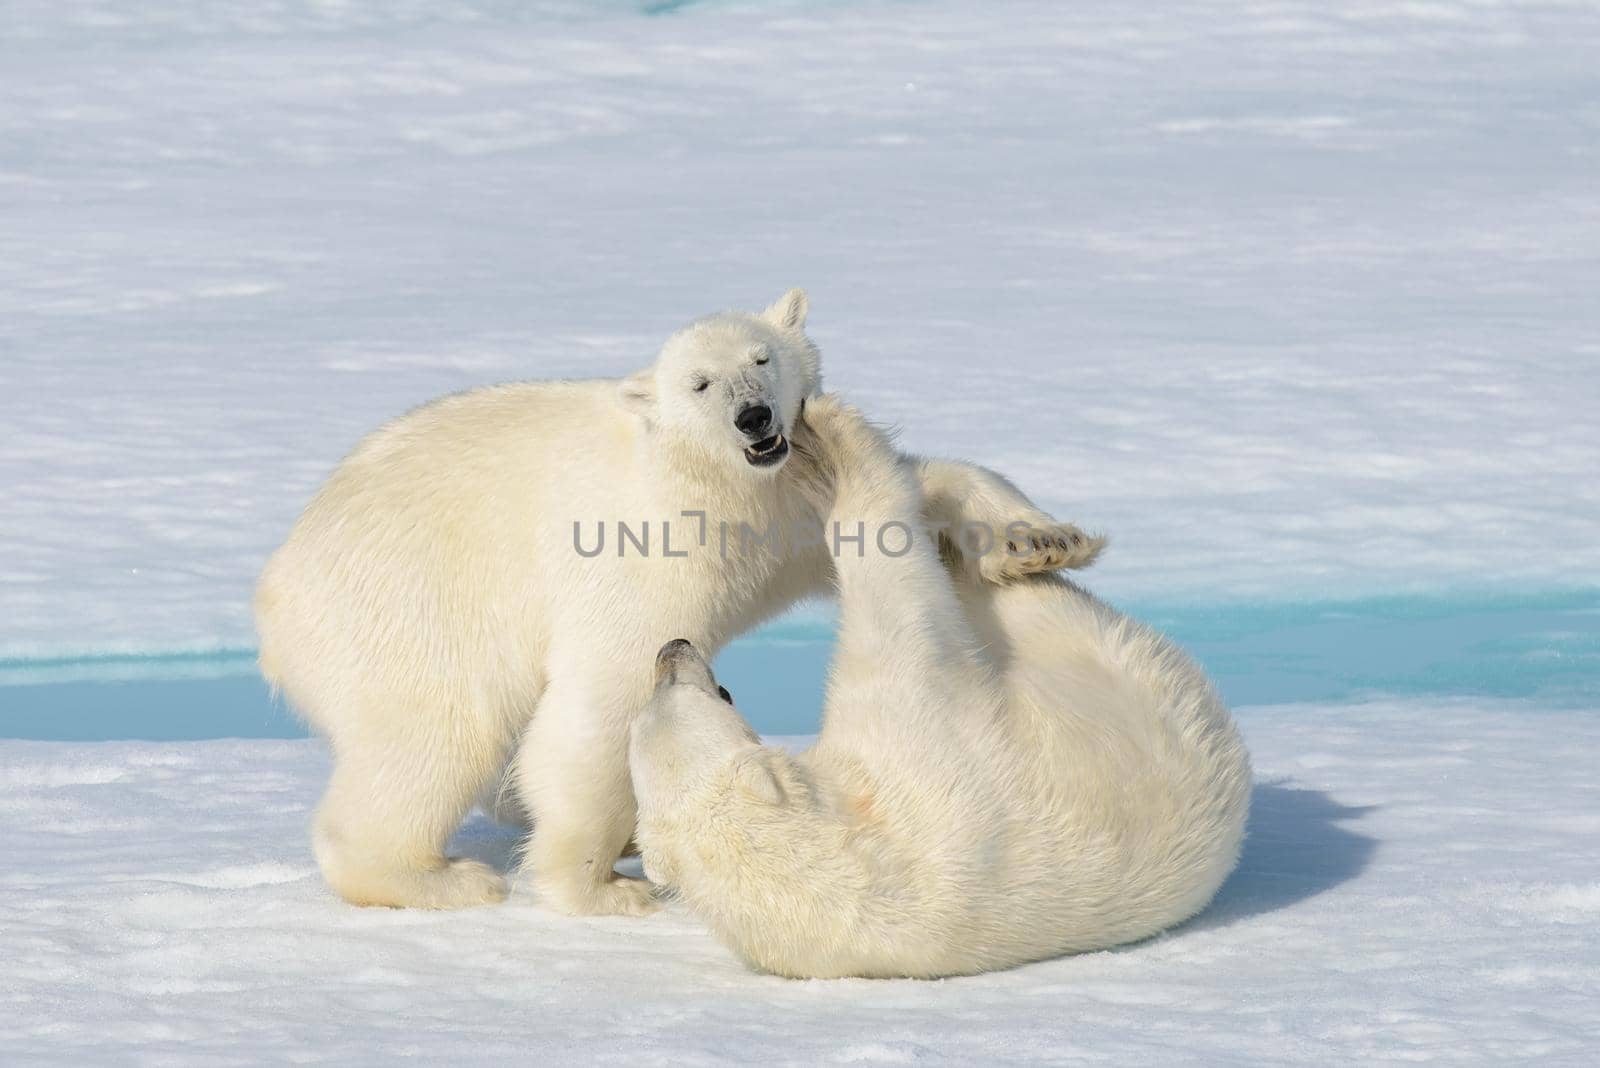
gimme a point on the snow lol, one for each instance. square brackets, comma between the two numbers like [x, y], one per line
[1292, 300]
[1420, 883]
[1295, 300]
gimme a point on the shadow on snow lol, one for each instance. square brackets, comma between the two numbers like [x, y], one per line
[1295, 848]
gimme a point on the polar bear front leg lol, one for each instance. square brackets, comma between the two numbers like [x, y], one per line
[572, 774]
[989, 521]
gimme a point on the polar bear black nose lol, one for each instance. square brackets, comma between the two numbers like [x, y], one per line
[753, 420]
[680, 655]
[675, 648]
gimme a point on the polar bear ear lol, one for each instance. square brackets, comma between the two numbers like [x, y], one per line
[638, 392]
[789, 312]
[757, 778]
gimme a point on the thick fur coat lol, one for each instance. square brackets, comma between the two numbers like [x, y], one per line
[440, 614]
[1004, 773]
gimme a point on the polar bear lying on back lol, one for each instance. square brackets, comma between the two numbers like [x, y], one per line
[1004, 773]
[434, 614]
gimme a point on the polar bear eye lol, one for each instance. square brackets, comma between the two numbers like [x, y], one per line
[722, 692]
[700, 384]
[761, 361]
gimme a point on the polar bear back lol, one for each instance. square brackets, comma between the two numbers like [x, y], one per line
[439, 526]
[1134, 779]
[1107, 804]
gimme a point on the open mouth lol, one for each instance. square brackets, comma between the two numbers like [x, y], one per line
[767, 451]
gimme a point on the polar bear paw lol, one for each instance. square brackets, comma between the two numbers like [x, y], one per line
[844, 439]
[621, 896]
[844, 455]
[1047, 546]
[464, 883]
[456, 884]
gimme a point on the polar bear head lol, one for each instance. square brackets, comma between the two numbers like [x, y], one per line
[730, 386]
[702, 778]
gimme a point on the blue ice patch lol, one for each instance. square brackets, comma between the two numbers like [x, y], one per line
[1544, 647]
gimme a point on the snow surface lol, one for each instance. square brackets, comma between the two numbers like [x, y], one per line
[1420, 883]
[1296, 300]
[1293, 299]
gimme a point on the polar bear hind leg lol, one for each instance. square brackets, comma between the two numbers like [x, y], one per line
[393, 801]
[1013, 536]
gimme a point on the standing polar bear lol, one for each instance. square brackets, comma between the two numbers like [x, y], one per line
[436, 615]
[1004, 773]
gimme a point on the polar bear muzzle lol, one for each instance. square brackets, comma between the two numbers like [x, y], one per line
[680, 662]
[767, 451]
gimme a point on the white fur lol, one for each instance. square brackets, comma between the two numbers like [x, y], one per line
[1003, 774]
[430, 615]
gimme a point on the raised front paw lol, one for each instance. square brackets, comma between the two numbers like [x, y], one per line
[1046, 546]
[845, 439]
[840, 452]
